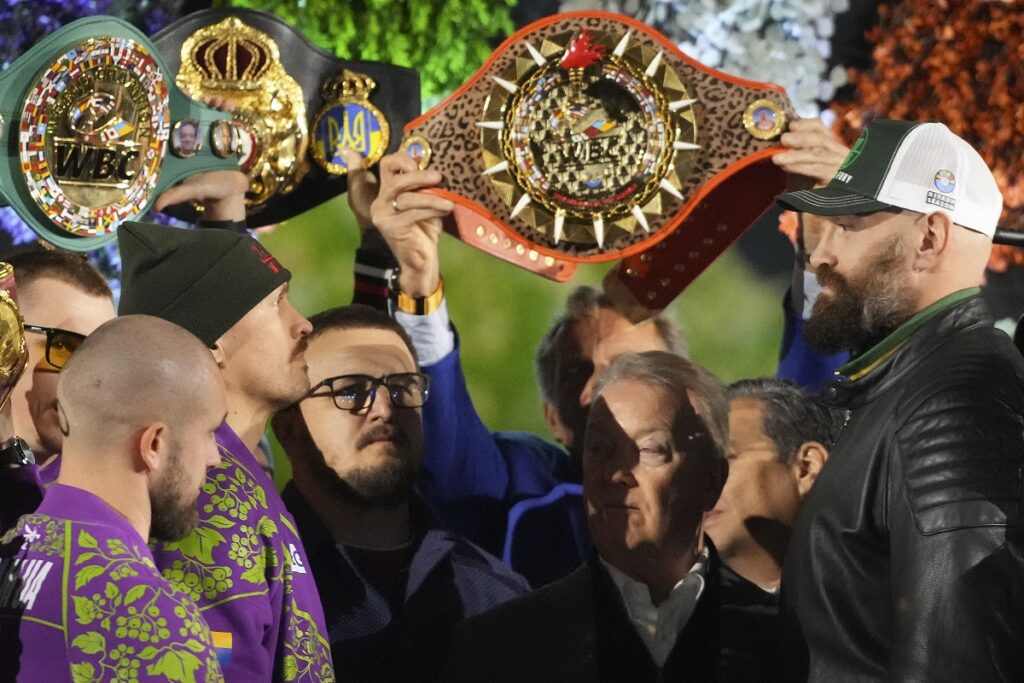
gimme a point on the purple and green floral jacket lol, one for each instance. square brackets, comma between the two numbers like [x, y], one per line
[82, 600]
[246, 568]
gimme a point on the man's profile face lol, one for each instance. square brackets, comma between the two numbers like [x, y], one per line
[601, 339]
[264, 352]
[174, 493]
[760, 494]
[647, 476]
[863, 266]
[370, 457]
[49, 302]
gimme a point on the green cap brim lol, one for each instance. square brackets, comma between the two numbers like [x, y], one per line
[830, 201]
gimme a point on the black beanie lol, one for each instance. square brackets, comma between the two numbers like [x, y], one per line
[204, 280]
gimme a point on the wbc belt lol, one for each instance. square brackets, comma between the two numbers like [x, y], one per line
[86, 117]
[589, 137]
[296, 105]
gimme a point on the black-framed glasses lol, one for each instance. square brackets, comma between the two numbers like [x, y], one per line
[356, 393]
[60, 344]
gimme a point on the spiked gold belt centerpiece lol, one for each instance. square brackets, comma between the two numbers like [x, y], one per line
[589, 137]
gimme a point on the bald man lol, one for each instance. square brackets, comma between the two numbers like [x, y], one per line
[907, 555]
[80, 595]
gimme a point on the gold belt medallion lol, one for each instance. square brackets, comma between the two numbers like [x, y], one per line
[93, 133]
[233, 60]
[582, 139]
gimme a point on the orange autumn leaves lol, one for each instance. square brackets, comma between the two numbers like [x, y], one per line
[959, 62]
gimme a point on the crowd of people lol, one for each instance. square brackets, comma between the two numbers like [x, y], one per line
[679, 530]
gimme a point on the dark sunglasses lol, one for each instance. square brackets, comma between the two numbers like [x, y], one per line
[60, 344]
[357, 392]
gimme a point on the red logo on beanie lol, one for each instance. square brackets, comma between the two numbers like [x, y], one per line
[266, 258]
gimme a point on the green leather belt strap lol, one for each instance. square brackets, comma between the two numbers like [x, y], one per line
[87, 120]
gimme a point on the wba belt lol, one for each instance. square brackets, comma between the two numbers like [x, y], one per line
[297, 105]
[87, 116]
[589, 137]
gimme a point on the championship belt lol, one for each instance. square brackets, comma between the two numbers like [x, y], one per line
[296, 105]
[13, 353]
[589, 137]
[86, 117]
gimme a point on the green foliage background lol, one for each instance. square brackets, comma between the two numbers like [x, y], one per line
[445, 40]
[732, 317]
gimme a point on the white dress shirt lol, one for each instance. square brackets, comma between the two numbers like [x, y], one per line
[659, 627]
[431, 334]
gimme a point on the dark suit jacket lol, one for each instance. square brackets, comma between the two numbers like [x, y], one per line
[577, 630]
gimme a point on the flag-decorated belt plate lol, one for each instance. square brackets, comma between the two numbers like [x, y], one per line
[589, 137]
[88, 115]
[296, 105]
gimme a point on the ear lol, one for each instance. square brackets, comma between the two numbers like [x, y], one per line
[933, 232]
[809, 459]
[555, 425]
[218, 353]
[152, 447]
[717, 476]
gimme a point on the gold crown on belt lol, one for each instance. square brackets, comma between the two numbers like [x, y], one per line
[232, 55]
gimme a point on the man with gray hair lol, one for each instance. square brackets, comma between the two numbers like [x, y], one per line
[647, 605]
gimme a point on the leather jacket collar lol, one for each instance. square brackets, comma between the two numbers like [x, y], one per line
[859, 383]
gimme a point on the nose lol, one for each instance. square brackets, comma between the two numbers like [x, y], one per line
[300, 325]
[587, 393]
[824, 252]
[620, 471]
[381, 408]
[304, 327]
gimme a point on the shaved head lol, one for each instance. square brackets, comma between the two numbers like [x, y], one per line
[130, 372]
[139, 404]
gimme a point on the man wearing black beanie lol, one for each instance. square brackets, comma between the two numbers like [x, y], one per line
[244, 564]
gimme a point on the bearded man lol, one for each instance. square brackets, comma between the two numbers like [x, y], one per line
[393, 581]
[80, 595]
[907, 555]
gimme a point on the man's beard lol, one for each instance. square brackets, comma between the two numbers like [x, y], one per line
[864, 309]
[383, 486]
[175, 512]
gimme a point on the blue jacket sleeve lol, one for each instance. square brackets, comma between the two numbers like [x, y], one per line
[471, 475]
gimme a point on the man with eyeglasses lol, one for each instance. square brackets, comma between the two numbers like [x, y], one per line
[394, 583]
[62, 299]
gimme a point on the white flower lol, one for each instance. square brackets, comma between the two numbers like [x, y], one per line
[780, 41]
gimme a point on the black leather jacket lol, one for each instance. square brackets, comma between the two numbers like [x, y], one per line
[907, 559]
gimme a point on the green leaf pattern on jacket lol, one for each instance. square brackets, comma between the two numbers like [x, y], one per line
[235, 516]
[127, 621]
